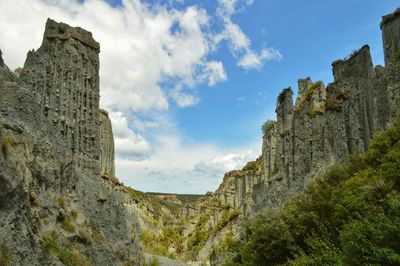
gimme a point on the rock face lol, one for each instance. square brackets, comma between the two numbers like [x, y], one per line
[325, 124]
[54, 205]
[322, 127]
[106, 145]
[64, 74]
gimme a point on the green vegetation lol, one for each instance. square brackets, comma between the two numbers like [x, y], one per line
[227, 216]
[6, 257]
[350, 216]
[199, 236]
[253, 166]
[267, 126]
[154, 243]
[313, 87]
[159, 243]
[224, 245]
[196, 242]
[68, 255]
[250, 166]
[281, 95]
[307, 97]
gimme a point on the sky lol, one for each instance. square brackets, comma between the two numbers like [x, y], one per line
[188, 83]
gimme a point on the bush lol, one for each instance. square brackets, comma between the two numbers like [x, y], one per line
[350, 216]
[268, 126]
[154, 243]
[314, 86]
[227, 216]
[196, 242]
[65, 253]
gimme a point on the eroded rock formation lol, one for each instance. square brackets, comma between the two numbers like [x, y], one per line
[322, 127]
[55, 141]
[106, 145]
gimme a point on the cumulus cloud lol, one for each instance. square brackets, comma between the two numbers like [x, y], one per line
[187, 170]
[128, 144]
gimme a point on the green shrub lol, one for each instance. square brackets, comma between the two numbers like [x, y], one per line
[268, 126]
[196, 241]
[154, 243]
[71, 257]
[227, 216]
[224, 245]
[349, 216]
[314, 86]
[65, 253]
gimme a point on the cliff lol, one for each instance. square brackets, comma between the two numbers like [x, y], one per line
[327, 124]
[56, 145]
[322, 127]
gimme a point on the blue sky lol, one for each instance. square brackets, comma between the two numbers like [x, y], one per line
[189, 83]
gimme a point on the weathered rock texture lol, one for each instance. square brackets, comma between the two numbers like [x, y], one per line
[106, 145]
[54, 143]
[322, 127]
[325, 124]
[64, 74]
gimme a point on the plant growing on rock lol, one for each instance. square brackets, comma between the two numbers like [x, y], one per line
[268, 126]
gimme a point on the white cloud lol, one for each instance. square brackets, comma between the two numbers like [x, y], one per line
[253, 60]
[238, 41]
[214, 72]
[183, 99]
[128, 144]
[186, 170]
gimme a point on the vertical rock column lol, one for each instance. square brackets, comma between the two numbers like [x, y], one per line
[284, 113]
[390, 26]
[64, 75]
[106, 145]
